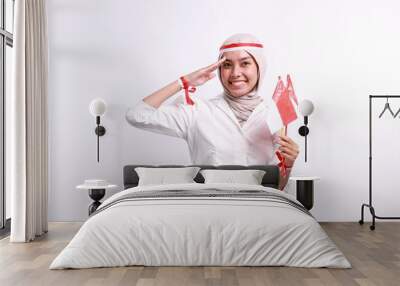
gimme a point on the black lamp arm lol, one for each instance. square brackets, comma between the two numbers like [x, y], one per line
[303, 131]
[100, 131]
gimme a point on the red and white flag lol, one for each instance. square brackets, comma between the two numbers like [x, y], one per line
[290, 90]
[283, 96]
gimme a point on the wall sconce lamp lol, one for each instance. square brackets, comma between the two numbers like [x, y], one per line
[97, 108]
[306, 107]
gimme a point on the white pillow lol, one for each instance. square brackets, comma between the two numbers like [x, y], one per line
[163, 176]
[248, 177]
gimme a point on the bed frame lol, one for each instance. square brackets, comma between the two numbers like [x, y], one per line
[270, 179]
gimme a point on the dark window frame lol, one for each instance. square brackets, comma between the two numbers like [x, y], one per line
[6, 39]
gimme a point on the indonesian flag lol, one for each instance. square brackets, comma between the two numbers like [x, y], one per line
[290, 90]
[283, 96]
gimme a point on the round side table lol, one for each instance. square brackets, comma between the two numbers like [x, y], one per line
[305, 190]
[96, 193]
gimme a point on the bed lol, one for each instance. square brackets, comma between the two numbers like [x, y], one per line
[201, 224]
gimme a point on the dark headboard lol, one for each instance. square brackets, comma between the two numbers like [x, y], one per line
[270, 179]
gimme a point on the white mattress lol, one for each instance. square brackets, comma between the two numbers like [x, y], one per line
[183, 231]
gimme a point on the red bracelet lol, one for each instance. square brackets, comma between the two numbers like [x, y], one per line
[281, 164]
[187, 89]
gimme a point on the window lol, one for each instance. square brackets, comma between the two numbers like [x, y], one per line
[6, 44]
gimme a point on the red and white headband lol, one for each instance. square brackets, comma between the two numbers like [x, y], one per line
[239, 46]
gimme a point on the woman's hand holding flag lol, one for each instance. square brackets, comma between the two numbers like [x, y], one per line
[283, 97]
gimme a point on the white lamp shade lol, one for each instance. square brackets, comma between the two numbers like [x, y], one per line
[306, 107]
[97, 107]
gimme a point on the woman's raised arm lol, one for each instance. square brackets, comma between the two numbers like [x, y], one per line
[196, 78]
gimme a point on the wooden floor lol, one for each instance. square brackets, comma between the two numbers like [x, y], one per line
[374, 255]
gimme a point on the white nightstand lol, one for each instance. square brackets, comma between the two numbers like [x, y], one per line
[97, 190]
[305, 190]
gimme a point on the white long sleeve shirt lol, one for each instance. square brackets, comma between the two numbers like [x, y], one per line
[212, 132]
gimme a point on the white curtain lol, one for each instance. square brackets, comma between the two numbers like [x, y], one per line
[28, 122]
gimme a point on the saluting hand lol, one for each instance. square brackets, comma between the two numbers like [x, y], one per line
[203, 75]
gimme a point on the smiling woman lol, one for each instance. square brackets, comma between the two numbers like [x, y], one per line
[235, 128]
[239, 73]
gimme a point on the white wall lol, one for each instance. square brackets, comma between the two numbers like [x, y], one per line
[338, 52]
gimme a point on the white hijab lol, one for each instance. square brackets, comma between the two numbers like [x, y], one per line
[244, 105]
